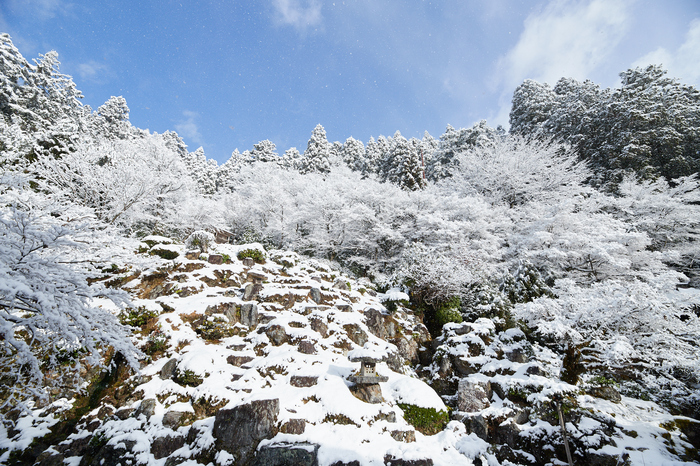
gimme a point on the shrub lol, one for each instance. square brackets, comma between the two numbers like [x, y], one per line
[140, 317]
[427, 421]
[187, 378]
[257, 255]
[201, 240]
[157, 343]
[163, 251]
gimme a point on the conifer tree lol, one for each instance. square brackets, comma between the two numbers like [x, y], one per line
[317, 153]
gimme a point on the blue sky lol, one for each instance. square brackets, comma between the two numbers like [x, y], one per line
[227, 74]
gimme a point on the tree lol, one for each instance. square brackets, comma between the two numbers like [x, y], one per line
[354, 154]
[291, 160]
[49, 328]
[317, 153]
[514, 171]
[264, 151]
[649, 125]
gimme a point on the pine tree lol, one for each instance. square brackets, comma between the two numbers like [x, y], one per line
[354, 154]
[317, 153]
[291, 160]
[264, 151]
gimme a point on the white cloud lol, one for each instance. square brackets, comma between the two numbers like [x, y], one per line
[684, 63]
[299, 14]
[92, 70]
[567, 38]
[188, 128]
[44, 9]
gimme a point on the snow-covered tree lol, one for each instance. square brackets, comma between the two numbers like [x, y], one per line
[291, 159]
[50, 329]
[354, 154]
[317, 153]
[264, 151]
[514, 171]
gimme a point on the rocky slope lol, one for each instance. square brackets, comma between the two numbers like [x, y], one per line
[250, 362]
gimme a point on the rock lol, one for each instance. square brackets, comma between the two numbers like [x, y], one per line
[236, 360]
[535, 370]
[381, 325]
[356, 334]
[297, 454]
[168, 369]
[303, 381]
[408, 349]
[341, 285]
[517, 355]
[307, 347]
[251, 291]
[192, 255]
[369, 393]
[406, 436]
[240, 429]
[147, 408]
[393, 461]
[277, 335]
[476, 425]
[249, 314]
[606, 393]
[507, 433]
[163, 447]
[318, 325]
[294, 427]
[174, 419]
[113, 454]
[125, 413]
[216, 259]
[315, 295]
[473, 396]
[691, 429]
[248, 262]
[344, 307]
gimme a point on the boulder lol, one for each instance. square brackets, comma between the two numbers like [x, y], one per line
[340, 284]
[240, 429]
[318, 325]
[216, 259]
[406, 436]
[249, 314]
[248, 262]
[303, 381]
[473, 396]
[307, 347]
[476, 425]
[381, 325]
[606, 393]
[294, 427]
[251, 291]
[147, 408]
[356, 334]
[168, 369]
[298, 454]
[393, 461]
[174, 419]
[277, 335]
[315, 295]
[163, 447]
[236, 360]
[367, 392]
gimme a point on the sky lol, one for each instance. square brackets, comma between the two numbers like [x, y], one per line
[227, 74]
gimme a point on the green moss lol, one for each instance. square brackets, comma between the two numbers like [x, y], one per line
[257, 255]
[427, 421]
[164, 253]
[187, 378]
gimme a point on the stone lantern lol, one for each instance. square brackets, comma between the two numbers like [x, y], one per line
[366, 382]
